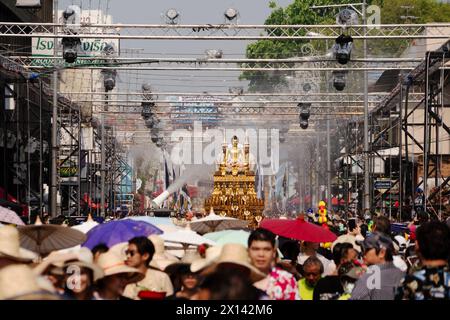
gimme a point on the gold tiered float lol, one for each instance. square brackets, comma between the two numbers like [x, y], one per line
[234, 192]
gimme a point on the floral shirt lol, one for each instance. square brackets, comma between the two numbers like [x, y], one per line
[426, 284]
[282, 285]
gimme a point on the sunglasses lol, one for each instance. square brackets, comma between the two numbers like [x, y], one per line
[130, 253]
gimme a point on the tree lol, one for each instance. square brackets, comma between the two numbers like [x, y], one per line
[299, 12]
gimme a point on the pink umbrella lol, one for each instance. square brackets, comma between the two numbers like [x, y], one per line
[9, 216]
[298, 229]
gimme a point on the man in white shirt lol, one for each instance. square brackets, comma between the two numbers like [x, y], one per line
[139, 254]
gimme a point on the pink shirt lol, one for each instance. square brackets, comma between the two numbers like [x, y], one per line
[282, 285]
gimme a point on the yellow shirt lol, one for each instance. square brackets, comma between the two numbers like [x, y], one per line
[306, 292]
[154, 280]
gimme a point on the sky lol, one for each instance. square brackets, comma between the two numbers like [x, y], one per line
[191, 12]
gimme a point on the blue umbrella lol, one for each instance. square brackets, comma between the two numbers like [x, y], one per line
[114, 232]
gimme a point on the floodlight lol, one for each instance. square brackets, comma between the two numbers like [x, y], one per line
[347, 17]
[339, 80]
[214, 53]
[231, 14]
[70, 49]
[304, 114]
[109, 78]
[172, 15]
[343, 48]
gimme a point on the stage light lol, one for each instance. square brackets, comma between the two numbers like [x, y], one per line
[172, 16]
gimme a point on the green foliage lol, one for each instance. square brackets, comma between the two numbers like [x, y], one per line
[425, 10]
[299, 12]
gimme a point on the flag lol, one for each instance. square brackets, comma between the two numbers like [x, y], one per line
[175, 194]
[259, 182]
[167, 177]
[184, 194]
[279, 180]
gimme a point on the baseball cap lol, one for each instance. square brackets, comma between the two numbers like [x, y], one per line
[376, 240]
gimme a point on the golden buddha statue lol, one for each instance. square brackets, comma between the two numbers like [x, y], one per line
[234, 192]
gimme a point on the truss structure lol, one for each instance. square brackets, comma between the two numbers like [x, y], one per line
[226, 31]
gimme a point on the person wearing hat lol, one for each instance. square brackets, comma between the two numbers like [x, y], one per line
[382, 277]
[278, 284]
[116, 276]
[10, 250]
[227, 284]
[81, 274]
[185, 281]
[139, 253]
[18, 282]
[348, 274]
[161, 259]
[52, 269]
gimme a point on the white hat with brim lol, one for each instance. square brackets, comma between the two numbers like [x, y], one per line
[85, 259]
[161, 259]
[111, 263]
[10, 246]
[211, 256]
[18, 282]
[237, 254]
[189, 257]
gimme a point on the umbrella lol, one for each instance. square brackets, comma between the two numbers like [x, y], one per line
[45, 238]
[9, 216]
[165, 224]
[298, 229]
[186, 237]
[228, 236]
[85, 227]
[115, 232]
[213, 222]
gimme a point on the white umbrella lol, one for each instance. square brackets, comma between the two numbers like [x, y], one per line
[86, 226]
[186, 237]
[9, 216]
[214, 222]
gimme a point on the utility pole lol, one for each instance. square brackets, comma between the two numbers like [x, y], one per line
[317, 170]
[328, 164]
[102, 169]
[366, 121]
[54, 164]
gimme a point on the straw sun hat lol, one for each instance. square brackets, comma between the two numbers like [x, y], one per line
[112, 263]
[18, 282]
[10, 246]
[211, 255]
[230, 254]
[161, 259]
[184, 264]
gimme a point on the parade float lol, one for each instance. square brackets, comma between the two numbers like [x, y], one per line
[234, 193]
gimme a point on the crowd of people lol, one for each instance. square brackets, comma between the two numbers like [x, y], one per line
[368, 261]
